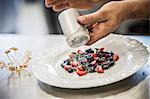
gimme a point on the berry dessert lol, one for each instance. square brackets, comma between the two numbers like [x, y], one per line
[89, 61]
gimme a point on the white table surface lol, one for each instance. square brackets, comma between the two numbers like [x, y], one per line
[134, 87]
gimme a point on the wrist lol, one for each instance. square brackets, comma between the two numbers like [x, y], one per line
[126, 10]
[138, 8]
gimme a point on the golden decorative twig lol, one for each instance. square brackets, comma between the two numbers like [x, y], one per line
[13, 66]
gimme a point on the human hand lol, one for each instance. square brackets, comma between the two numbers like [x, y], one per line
[106, 19]
[59, 5]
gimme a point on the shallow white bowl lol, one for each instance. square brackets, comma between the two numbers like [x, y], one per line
[132, 56]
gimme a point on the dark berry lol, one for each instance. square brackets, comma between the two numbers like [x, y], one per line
[70, 70]
[62, 65]
[111, 63]
[89, 51]
[105, 66]
[73, 53]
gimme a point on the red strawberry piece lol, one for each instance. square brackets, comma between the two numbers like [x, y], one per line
[66, 67]
[74, 64]
[80, 73]
[79, 51]
[81, 68]
[85, 60]
[115, 57]
[101, 49]
[99, 70]
[94, 56]
[71, 56]
[93, 62]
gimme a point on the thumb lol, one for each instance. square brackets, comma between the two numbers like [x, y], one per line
[90, 18]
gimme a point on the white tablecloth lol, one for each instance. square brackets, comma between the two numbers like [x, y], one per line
[134, 87]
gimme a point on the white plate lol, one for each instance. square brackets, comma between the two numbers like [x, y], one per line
[132, 56]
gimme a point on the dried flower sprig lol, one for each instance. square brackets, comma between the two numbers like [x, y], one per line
[13, 66]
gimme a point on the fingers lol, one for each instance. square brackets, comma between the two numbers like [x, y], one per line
[60, 7]
[57, 5]
[91, 18]
[48, 3]
[100, 25]
[101, 30]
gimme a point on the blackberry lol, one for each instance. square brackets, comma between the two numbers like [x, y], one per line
[70, 70]
[111, 63]
[90, 59]
[106, 66]
[62, 65]
[89, 51]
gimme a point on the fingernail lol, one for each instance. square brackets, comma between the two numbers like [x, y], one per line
[48, 5]
[82, 19]
[56, 10]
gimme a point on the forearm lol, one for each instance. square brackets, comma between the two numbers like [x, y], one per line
[101, 2]
[139, 8]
